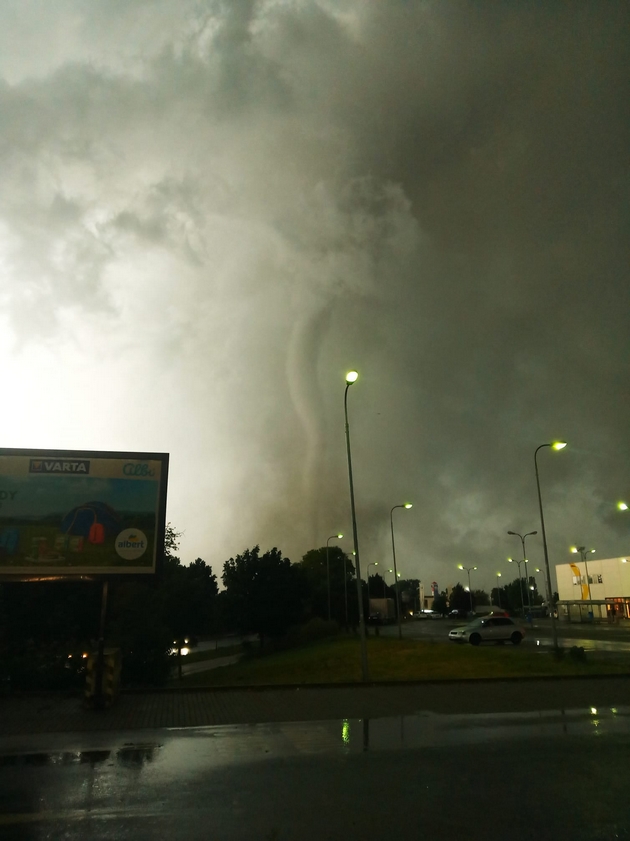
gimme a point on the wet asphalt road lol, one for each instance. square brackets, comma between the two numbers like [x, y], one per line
[589, 637]
[528, 775]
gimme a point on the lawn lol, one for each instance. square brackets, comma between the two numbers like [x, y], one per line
[338, 661]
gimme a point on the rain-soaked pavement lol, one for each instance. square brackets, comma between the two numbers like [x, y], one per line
[538, 774]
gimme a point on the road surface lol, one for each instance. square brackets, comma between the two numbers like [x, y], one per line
[547, 774]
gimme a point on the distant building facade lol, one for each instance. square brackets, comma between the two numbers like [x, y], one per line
[605, 593]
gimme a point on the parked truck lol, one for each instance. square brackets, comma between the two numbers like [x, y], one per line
[382, 611]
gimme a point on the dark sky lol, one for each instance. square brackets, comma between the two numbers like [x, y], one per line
[210, 211]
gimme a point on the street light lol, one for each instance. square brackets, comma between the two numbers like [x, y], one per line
[520, 585]
[352, 377]
[622, 506]
[391, 521]
[583, 553]
[384, 584]
[557, 445]
[468, 570]
[498, 591]
[372, 564]
[522, 537]
[544, 583]
[332, 537]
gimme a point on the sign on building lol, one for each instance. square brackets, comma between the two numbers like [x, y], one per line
[69, 513]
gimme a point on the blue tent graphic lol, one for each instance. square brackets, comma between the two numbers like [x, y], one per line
[83, 517]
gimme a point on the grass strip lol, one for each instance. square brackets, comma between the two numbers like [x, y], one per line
[338, 661]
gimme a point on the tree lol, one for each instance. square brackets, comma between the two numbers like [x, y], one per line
[440, 603]
[459, 598]
[378, 588]
[265, 594]
[409, 591]
[314, 567]
[147, 618]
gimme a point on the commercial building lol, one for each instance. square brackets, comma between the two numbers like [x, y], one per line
[594, 590]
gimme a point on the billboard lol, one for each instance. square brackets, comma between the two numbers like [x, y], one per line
[70, 513]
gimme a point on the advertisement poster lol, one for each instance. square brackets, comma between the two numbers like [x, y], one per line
[81, 513]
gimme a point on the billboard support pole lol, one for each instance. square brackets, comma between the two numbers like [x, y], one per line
[100, 657]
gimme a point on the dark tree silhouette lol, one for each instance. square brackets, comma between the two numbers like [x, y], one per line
[265, 594]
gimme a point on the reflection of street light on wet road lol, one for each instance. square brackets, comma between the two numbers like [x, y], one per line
[557, 445]
[332, 537]
[391, 520]
[351, 378]
[468, 570]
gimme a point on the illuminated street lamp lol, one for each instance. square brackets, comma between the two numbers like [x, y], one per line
[384, 585]
[391, 521]
[468, 570]
[622, 506]
[332, 537]
[583, 553]
[557, 445]
[520, 585]
[522, 537]
[498, 591]
[372, 564]
[352, 377]
[544, 583]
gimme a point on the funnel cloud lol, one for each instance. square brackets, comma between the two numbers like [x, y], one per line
[212, 210]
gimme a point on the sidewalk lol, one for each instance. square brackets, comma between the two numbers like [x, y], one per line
[22, 715]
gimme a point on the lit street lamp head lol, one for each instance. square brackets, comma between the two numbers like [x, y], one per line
[352, 377]
[407, 505]
[340, 536]
[559, 445]
[622, 506]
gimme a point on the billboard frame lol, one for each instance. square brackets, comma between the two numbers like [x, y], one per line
[160, 522]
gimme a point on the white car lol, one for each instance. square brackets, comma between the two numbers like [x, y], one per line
[489, 629]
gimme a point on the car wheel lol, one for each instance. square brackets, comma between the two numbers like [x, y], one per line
[516, 638]
[475, 639]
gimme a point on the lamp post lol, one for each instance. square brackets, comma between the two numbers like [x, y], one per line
[544, 583]
[351, 378]
[583, 553]
[622, 506]
[498, 590]
[520, 583]
[345, 584]
[332, 537]
[391, 522]
[522, 537]
[384, 585]
[557, 445]
[468, 570]
[371, 564]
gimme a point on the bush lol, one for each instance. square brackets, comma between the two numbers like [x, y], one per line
[577, 654]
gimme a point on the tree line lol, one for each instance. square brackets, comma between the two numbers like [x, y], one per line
[47, 627]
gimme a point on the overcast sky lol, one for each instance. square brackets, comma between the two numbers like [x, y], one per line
[210, 211]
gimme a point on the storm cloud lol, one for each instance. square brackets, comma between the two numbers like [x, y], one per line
[211, 210]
